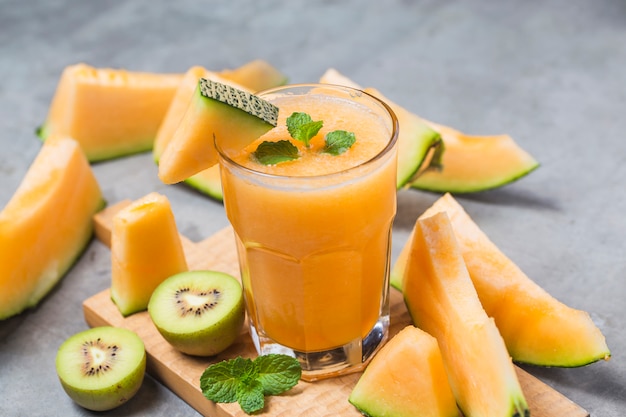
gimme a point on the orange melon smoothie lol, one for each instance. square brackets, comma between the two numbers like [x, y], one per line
[314, 234]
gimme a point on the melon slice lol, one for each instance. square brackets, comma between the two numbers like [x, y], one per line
[110, 112]
[253, 76]
[216, 113]
[475, 163]
[145, 250]
[46, 225]
[537, 328]
[442, 301]
[419, 146]
[406, 378]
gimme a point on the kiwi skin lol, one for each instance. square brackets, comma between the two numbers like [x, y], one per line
[86, 389]
[214, 335]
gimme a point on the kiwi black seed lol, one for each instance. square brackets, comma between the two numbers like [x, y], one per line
[101, 368]
[198, 312]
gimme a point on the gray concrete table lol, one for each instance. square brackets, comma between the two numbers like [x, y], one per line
[552, 74]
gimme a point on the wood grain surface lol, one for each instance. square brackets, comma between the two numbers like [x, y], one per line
[181, 373]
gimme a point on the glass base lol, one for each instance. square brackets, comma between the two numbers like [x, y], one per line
[349, 358]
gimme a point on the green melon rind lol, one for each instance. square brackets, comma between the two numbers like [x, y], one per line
[413, 158]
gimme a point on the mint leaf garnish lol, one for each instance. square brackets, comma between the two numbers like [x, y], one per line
[277, 374]
[338, 141]
[249, 381]
[301, 127]
[272, 153]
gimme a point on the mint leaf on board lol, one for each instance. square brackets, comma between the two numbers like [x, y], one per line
[272, 153]
[301, 127]
[278, 373]
[338, 142]
[249, 381]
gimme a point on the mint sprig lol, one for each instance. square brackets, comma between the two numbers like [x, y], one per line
[302, 127]
[272, 153]
[338, 141]
[248, 381]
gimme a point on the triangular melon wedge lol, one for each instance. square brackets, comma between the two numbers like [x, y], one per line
[406, 378]
[217, 113]
[475, 163]
[442, 301]
[46, 225]
[419, 146]
[252, 76]
[537, 328]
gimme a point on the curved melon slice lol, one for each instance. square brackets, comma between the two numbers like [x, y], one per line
[475, 163]
[145, 250]
[46, 225]
[419, 146]
[406, 378]
[537, 328]
[217, 112]
[253, 76]
[110, 112]
[442, 301]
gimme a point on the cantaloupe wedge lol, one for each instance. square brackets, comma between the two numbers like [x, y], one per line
[217, 115]
[46, 225]
[419, 146]
[406, 378]
[442, 301]
[463, 164]
[537, 328]
[474, 163]
[145, 250]
[110, 112]
[252, 76]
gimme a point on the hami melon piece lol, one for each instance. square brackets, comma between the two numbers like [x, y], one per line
[216, 113]
[46, 225]
[537, 328]
[145, 250]
[110, 112]
[252, 76]
[473, 163]
[419, 146]
[442, 301]
[406, 378]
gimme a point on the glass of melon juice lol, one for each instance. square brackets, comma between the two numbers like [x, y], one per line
[314, 234]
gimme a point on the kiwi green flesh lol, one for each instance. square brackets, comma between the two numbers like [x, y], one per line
[101, 368]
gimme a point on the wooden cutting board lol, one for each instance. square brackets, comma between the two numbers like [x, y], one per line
[181, 373]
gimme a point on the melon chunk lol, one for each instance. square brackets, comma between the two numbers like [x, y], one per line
[473, 163]
[217, 113]
[406, 378]
[46, 225]
[537, 328]
[419, 146]
[110, 112]
[442, 301]
[145, 250]
[253, 76]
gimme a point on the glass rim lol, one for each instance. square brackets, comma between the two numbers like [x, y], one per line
[379, 155]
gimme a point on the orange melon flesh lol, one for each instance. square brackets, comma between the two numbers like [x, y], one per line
[537, 328]
[46, 225]
[255, 75]
[475, 163]
[145, 250]
[110, 112]
[219, 113]
[442, 301]
[406, 378]
[419, 146]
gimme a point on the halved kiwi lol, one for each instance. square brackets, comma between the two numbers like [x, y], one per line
[198, 312]
[101, 368]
